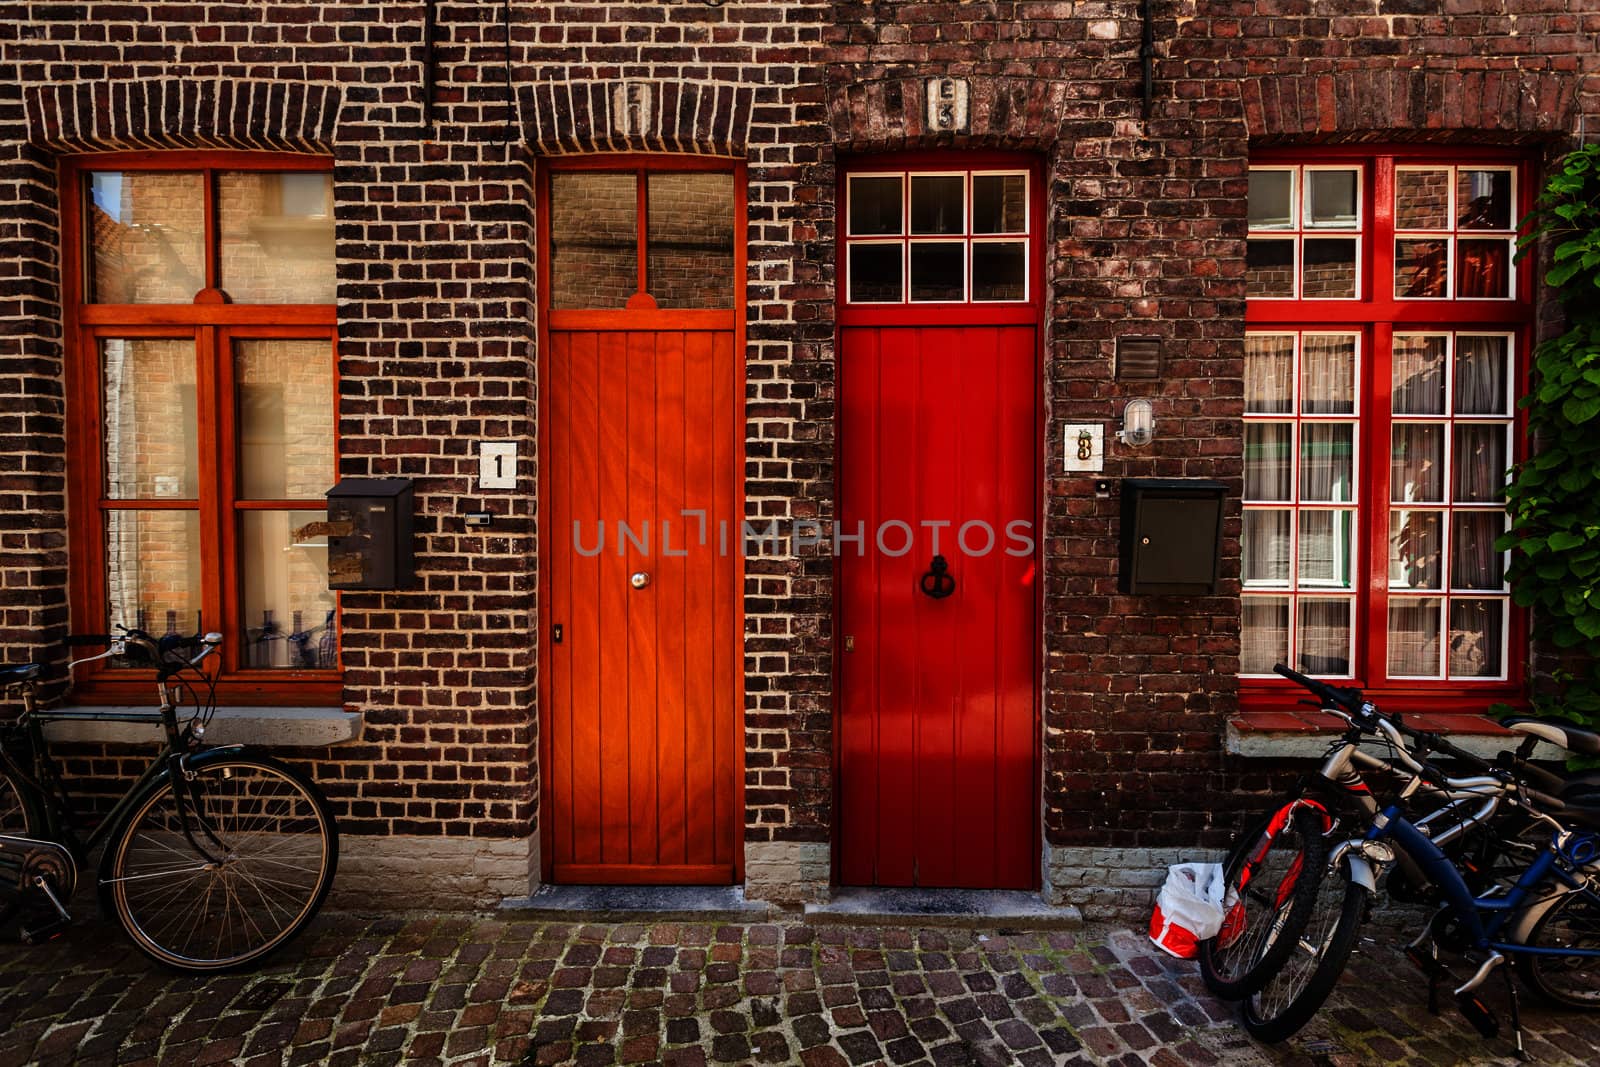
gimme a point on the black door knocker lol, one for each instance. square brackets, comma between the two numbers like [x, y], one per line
[939, 582]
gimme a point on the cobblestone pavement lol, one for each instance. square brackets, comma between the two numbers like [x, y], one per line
[481, 989]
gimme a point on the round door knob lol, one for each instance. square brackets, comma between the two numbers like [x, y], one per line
[639, 580]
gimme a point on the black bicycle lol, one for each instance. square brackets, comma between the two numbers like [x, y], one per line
[213, 859]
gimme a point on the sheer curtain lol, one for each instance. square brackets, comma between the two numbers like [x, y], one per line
[1480, 384]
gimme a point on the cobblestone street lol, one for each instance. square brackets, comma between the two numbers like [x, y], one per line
[482, 989]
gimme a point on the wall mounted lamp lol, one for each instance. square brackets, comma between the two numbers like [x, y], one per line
[1138, 424]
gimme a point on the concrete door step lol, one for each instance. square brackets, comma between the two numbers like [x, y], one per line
[944, 907]
[641, 903]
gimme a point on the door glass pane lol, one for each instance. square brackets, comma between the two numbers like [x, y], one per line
[1475, 638]
[875, 273]
[937, 202]
[594, 240]
[1480, 462]
[288, 610]
[153, 570]
[1480, 385]
[937, 269]
[1474, 563]
[1483, 268]
[285, 427]
[1266, 547]
[1271, 199]
[1327, 462]
[1268, 373]
[1322, 637]
[998, 270]
[1332, 195]
[999, 203]
[146, 235]
[875, 206]
[1269, 267]
[1483, 199]
[1415, 547]
[1267, 456]
[1418, 381]
[1422, 200]
[1327, 549]
[689, 243]
[1264, 633]
[1420, 269]
[276, 234]
[1328, 374]
[1416, 465]
[148, 419]
[1330, 268]
[1414, 637]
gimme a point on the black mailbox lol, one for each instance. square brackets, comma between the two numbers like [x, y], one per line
[369, 534]
[1171, 535]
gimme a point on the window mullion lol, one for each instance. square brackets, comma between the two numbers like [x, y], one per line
[1379, 401]
[213, 273]
[214, 538]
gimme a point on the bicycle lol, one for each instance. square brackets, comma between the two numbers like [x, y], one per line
[213, 859]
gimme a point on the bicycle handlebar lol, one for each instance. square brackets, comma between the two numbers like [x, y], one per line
[1348, 699]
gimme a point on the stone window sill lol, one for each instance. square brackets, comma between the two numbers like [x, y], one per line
[273, 727]
[1306, 735]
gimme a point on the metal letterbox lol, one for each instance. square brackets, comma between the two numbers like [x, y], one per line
[369, 534]
[1171, 535]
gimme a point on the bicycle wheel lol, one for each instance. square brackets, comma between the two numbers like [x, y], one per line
[1281, 852]
[1289, 998]
[226, 871]
[1568, 982]
[18, 818]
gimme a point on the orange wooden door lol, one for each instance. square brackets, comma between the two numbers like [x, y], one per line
[641, 574]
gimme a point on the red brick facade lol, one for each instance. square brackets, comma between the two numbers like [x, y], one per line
[438, 327]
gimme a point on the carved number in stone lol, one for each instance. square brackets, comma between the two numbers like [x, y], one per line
[630, 109]
[947, 104]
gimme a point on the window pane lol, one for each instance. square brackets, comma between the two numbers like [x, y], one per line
[1480, 463]
[1422, 200]
[146, 234]
[1330, 268]
[1323, 635]
[1271, 199]
[1418, 381]
[689, 243]
[288, 610]
[1475, 629]
[153, 570]
[875, 206]
[148, 419]
[1483, 199]
[1474, 563]
[875, 273]
[1264, 633]
[1420, 268]
[1333, 198]
[285, 430]
[1269, 268]
[1414, 637]
[1266, 547]
[936, 203]
[936, 270]
[1327, 462]
[1480, 384]
[594, 240]
[1483, 268]
[1268, 369]
[1327, 549]
[1415, 544]
[276, 237]
[1267, 460]
[999, 203]
[1416, 463]
[998, 270]
[1328, 374]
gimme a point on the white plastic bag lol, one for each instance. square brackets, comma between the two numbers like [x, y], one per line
[1189, 909]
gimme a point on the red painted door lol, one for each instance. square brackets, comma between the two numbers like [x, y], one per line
[645, 675]
[938, 437]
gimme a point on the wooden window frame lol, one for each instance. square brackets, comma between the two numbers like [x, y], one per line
[212, 323]
[1376, 314]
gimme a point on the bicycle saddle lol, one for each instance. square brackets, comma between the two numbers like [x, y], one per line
[20, 672]
[1559, 732]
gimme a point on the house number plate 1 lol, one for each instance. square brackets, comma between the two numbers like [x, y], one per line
[497, 465]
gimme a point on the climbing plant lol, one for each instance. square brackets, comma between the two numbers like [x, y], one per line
[1554, 496]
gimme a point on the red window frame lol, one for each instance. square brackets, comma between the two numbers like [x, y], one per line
[1376, 315]
[213, 324]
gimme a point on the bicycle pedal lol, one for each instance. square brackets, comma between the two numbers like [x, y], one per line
[1479, 1014]
[46, 929]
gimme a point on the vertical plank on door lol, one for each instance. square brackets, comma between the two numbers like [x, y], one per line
[586, 443]
[858, 605]
[644, 517]
[726, 646]
[673, 441]
[610, 710]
